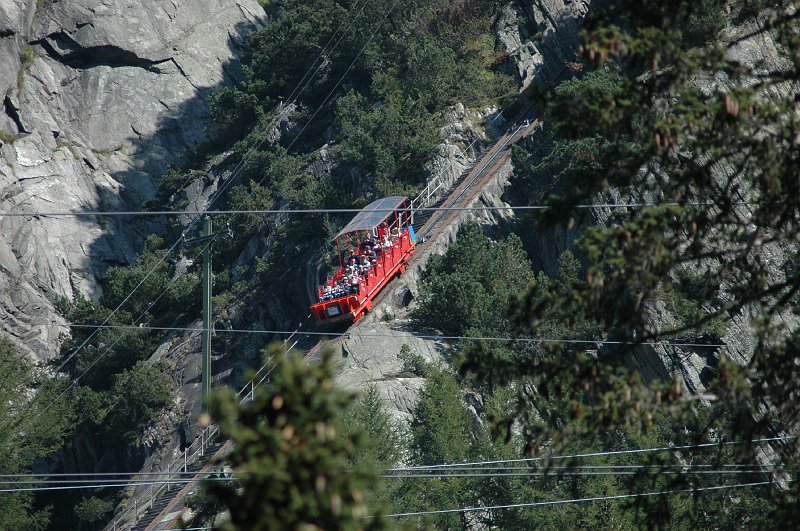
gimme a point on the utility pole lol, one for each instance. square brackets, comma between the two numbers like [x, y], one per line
[206, 313]
[206, 239]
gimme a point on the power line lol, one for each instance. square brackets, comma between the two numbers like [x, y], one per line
[286, 211]
[112, 485]
[76, 477]
[606, 473]
[582, 500]
[103, 474]
[76, 484]
[593, 454]
[598, 342]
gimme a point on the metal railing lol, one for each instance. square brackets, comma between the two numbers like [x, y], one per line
[142, 502]
[429, 195]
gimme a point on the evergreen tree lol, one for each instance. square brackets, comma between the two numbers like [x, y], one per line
[470, 285]
[382, 446]
[31, 428]
[441, 432]
[669, 113]
[292, 467]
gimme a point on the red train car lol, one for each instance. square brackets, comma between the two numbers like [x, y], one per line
[374, 247]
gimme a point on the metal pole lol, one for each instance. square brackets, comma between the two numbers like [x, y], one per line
[206, 314]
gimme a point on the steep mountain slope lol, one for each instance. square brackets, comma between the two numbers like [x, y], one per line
[97, 100]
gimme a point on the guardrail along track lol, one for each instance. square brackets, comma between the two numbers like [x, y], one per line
[153, 504]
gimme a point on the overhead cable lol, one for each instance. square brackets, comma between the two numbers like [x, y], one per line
[290, 211]
[441, 337]
[596, 454]
[582, 500]
[79, 477]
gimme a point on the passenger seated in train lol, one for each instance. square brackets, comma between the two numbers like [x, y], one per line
[363, 265]
[354, 283]
[386, 243]
[352, 264]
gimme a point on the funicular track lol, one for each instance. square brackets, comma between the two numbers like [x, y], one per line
[158, 507]
[433, 219]
[466, 191]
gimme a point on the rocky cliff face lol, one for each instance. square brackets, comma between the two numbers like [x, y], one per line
[97, 98]
[541, 39]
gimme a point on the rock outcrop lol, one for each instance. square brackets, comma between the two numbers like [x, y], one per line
[98, 98]
[540, 38]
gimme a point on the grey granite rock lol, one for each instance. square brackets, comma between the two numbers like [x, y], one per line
[370, 356]
[98, 98]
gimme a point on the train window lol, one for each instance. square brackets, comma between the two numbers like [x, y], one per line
[333, 311]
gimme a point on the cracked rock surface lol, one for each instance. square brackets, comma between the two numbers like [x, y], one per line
[98, 97]
[371, 356]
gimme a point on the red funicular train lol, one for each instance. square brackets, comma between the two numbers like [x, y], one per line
[372, 248]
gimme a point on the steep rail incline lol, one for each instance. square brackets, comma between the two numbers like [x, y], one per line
[476, 179]
[466, 188]
[157, 507]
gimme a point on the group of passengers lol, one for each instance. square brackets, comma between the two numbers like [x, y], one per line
[340, 288]
[358, 263]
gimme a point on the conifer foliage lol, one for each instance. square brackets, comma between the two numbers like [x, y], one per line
[293, 468]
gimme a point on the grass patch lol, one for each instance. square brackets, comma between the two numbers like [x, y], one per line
[26, 57]
[6, 137]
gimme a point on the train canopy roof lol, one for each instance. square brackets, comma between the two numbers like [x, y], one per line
[372, 215]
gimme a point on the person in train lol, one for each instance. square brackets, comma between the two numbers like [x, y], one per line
[363, 266]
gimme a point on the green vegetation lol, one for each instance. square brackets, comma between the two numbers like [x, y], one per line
[205, 507]
[436, 54]
[469, 287]
[290, 461]
[158, 301]
[92, 510]
[31, 428]
[26, 58]
[645, 124]
[636, 121]
[382, 444]
[441, 432]
[6, 137]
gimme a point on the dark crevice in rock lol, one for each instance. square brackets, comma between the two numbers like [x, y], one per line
[13, 113]
[547, 14]
[182, 71]
[64, 49]
[6, 32]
